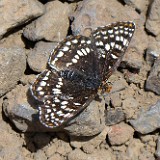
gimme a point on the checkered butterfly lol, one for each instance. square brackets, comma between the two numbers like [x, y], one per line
[78, 67]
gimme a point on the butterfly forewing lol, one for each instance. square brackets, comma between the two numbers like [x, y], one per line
[111, 42]
[72, 53]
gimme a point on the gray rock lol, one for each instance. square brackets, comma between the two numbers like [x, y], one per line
[20, 110]
[148, 121]
[18, 12]
[152, 23]
[12, 67]
[92, 14]
[158, 148]
[151, 55]
[38, 57]
[138, 4]
[52, 26]
[90, 122]
[153, 81]
[132, 59]
[114, 116]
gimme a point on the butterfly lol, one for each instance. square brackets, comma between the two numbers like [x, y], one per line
[78, 67]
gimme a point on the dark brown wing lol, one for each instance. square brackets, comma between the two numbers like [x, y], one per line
[61, 99]
[111, 42]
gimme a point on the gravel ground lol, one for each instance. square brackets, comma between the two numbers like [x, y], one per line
[122, 125]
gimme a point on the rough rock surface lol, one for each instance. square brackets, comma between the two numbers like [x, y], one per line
[38, 57]
[148, 121]
[12, 67]
[153, 81]
[91, 14]
[52, 26]
[120, 134]
[15, 13]
[153, 20]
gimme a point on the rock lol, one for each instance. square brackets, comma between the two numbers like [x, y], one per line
[89, 144]
[138, 4]
[129, 106]
[9, 143]
[19, 111]
[132, 60]
[158, 148]
[119, 85]
[50, 150]
[134, 149]
[13, 40]
[140, 41]
[58, 147]
[52, 26]
[18, 12]
[148, 121]
[13, 65]
[152, 51]
[114, 116]
[120, 134]
[90, 123]
[153, 80]
[92, 14]
[56, 157]
[39, 155]
[151, 55]
[64, 148]
[77, 154]
[38, 57]
[153, 20]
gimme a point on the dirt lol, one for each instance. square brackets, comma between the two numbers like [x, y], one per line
[120, 125]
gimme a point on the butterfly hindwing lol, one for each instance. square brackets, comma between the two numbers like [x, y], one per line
[60, 99]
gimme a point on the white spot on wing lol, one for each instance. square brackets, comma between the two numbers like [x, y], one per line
[79, 53]
[107, 47]
[117, 38]
[60, 54]
[39, 89]
[68, 43]
[88, 50]
[68, 64]
[65, 48]
[76, 56]
[77, 104]
[75, 41]
[114, 56]
[84, 52]
[64, 102]
[110, 31]
[74, 60]
[43, 83]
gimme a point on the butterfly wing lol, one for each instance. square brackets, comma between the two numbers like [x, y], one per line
[75, 53]
[111, 42]
[60, 99]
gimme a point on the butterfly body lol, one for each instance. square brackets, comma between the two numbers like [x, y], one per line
[78, 67]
